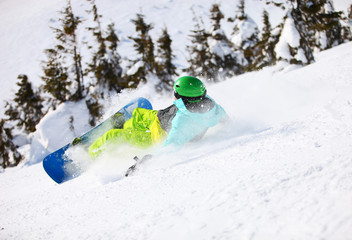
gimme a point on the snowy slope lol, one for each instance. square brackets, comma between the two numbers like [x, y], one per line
[281, 170]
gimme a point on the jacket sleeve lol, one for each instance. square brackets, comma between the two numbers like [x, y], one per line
[113, 135]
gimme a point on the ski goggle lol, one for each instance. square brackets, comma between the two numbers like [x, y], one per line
[189, 99]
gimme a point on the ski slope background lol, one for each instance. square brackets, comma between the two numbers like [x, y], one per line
[282, 169]
[25, 28]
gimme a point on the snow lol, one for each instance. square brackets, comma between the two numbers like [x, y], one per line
[58, 128]
[135, 68]
[290, 33]
[220, 49]
[289, 38]
[246, 29]
[282, 169]
[341, 5]
[300, 56]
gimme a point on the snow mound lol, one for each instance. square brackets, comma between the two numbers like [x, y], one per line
[59, 128]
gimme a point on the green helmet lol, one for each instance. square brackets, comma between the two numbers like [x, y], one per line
[189, 88]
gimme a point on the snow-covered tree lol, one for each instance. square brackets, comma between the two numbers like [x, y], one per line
[27, 108]
[265, 53]
[104, 68]
[220, 47]
[9, 155]
[200, 60]
[68, 46]
[114, 72]
[107, 72]
[323, 23]
[94, 108]
[216, 16]
[165, 69]
[144, 46]
[245, 34]
[55, 77]
[346, 23]
[293, 46]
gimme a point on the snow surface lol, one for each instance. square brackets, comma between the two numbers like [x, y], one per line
[281, 170]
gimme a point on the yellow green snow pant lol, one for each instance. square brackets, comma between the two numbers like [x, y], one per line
[142, 130]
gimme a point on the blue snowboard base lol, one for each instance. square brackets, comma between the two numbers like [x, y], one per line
[61, 168]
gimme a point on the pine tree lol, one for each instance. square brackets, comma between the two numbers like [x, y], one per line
[216, 16]
[7, 147]
[105, 64]
[200, 60]
[245, 35]
[323, 23]
[104, 68]
[55, 77]
[27, 111]
[347, 25]
[94, 108]
[303, 31]
[144, 46]
[266, 46]
[293, 45]
[114, 71]
[69, 48]
[165, 69]
[221, 48]
[240, 12]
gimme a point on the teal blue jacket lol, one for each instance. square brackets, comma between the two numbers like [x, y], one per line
[187, 125]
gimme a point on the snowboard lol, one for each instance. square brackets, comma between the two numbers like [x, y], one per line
[61, 168]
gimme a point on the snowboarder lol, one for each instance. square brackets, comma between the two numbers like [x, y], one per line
[192, 113]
